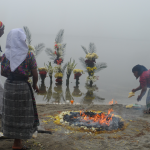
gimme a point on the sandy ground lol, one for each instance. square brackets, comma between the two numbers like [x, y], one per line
[135, 136]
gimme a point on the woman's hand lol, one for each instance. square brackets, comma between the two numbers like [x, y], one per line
[36, 89]
[139, 98]
[133, 90]
[35, 80]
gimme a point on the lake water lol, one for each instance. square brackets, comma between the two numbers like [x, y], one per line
[115, 82]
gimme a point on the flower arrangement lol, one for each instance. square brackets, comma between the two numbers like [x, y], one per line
[57, 55]
[50, 70]
[77, 74]
[59, 71]
[70, 67]
[42, 71]
[78, 71]
[91, 78]
[58, 75]
[34, 49]
[91, 56]
[31, 49]
[90, 64]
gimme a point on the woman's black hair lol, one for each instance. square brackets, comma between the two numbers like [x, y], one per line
[139, 68]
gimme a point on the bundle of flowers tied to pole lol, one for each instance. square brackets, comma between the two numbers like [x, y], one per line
[50, 70]
[43, 72]
[89, 63]
[70, 68]
[57, 55]
[77, 74]
[34, 49]
[59, 71]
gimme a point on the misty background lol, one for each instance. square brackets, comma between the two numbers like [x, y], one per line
[119, 29]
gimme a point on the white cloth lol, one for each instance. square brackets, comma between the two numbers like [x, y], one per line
[16, 48]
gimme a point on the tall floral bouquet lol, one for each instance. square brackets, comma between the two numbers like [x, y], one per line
[90, 64]
[34, 49]
[59, 71]
[43, 72]
[57, 55]
[70, 68]
[77, 74]
[50, 70]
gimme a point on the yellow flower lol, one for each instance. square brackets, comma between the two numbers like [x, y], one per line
[43, 69]
[90, 69]
[91, 55]
[59, 74]
[31, 47]
[77, 71]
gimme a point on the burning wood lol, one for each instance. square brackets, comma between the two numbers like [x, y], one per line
[91, 121]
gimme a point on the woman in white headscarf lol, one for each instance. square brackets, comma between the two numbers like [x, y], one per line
[19, 113]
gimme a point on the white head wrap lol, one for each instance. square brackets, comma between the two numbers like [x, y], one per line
[16, 48]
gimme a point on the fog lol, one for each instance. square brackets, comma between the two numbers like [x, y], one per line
[120, 30]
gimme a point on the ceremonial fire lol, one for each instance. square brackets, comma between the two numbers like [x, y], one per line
[93, 121]
[100, 118]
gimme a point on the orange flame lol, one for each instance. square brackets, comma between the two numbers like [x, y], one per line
[112, 101]
[100, 118]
